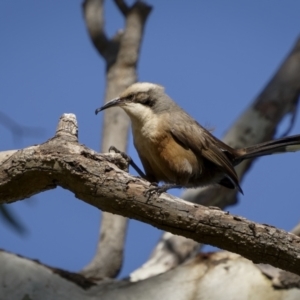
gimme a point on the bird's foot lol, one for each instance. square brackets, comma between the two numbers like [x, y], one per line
[128, 159]
[123, 154]
[160, 189]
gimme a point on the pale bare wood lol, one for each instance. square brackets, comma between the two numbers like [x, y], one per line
[220, 275]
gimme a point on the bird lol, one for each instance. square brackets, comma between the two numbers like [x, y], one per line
[176, 150]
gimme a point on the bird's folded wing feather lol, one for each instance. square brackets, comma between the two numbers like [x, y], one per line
[204, 144]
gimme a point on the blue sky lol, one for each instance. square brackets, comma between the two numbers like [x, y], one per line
[213, 57]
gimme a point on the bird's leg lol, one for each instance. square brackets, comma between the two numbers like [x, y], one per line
[128, 159]
[163, 188]
[155, 188]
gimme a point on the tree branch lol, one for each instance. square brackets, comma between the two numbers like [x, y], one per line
[94, 179]
[94, 20]
[123, 7]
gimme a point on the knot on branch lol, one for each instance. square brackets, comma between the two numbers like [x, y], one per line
[67, 126]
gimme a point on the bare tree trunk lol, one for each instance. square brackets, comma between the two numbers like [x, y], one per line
[121, 57]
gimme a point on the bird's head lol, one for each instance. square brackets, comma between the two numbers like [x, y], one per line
[141, 100]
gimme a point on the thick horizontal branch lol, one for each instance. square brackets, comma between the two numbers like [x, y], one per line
[93, 178]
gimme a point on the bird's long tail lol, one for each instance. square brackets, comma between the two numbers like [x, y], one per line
[287, 144]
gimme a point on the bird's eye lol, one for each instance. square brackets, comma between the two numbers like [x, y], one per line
[144, 99]
[148, 102]
[130, 97]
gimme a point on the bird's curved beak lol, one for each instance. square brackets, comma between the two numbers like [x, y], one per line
[111, 103]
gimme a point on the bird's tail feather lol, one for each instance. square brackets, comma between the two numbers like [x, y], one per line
[287, 144]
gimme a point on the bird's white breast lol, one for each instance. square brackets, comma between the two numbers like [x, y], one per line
[144, 122]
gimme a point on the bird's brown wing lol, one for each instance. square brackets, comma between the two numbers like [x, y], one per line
[205, 145]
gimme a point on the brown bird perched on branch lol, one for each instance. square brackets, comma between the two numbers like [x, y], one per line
[176, 149]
